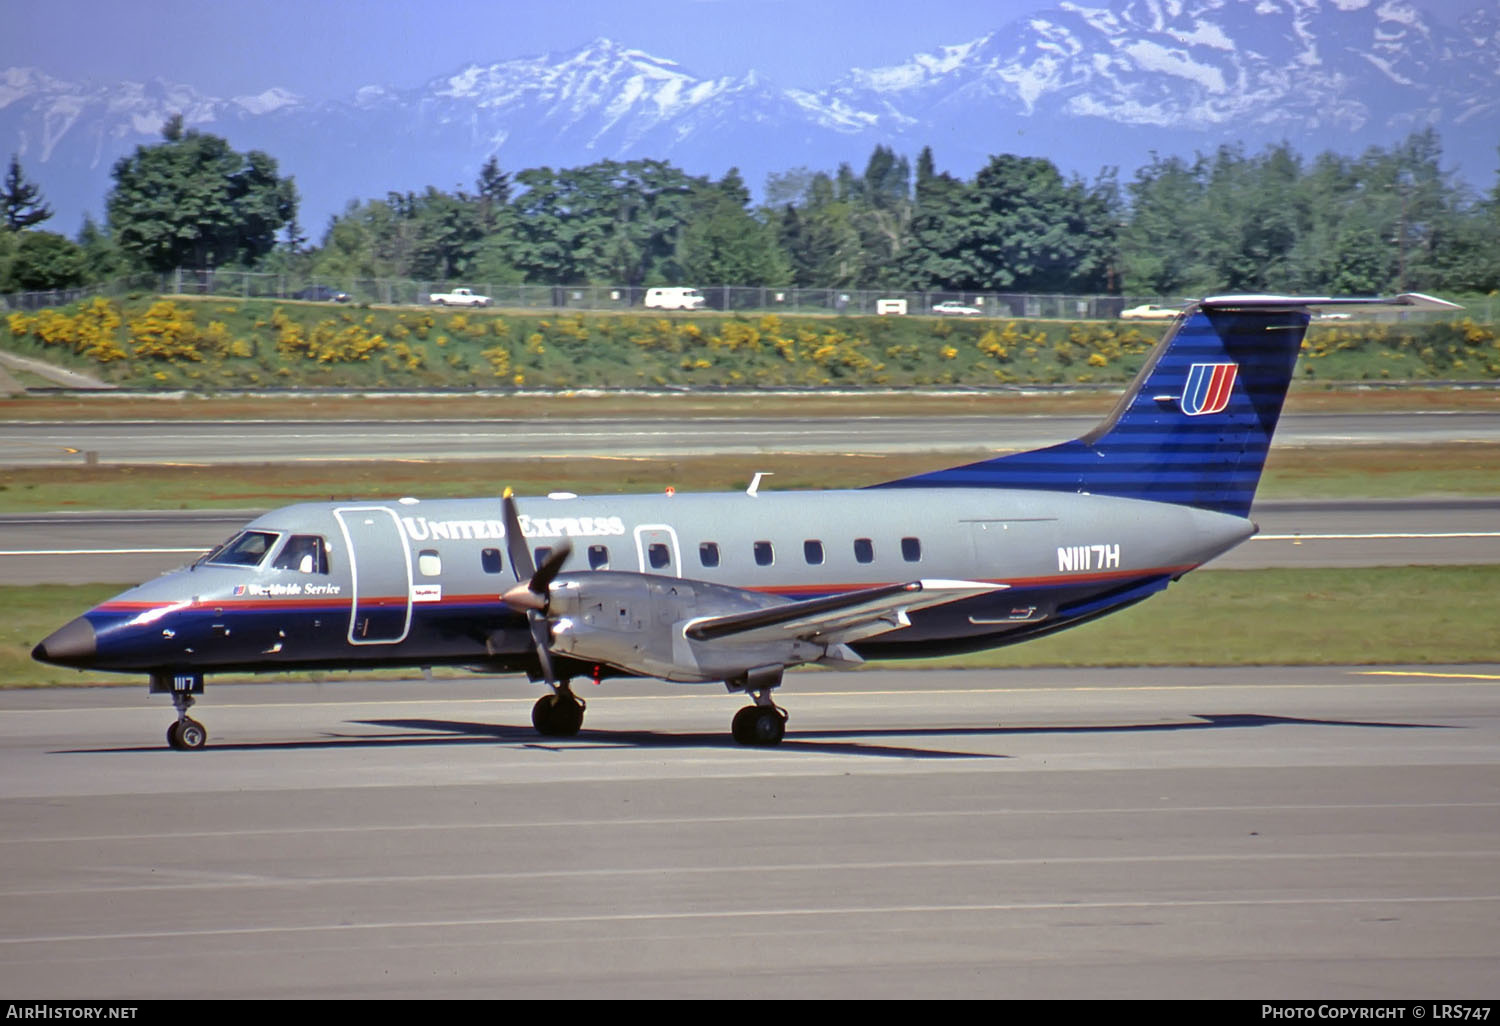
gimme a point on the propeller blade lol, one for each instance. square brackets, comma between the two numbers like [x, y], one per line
[550, 566]
[515, 542]
[541, 636]
[530, 592]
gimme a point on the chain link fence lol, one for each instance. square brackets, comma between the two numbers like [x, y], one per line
[606, 298]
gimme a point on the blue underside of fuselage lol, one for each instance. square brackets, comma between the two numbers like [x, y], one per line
[273, 639]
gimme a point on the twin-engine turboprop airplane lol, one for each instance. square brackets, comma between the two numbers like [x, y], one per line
[737, 587]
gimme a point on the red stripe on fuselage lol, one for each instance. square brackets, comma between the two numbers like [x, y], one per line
[790, 591]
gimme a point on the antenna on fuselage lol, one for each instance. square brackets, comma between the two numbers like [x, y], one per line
[755, 482]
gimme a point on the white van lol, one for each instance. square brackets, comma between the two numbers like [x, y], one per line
[674, 299]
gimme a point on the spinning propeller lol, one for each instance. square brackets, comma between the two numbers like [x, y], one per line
[532, 582]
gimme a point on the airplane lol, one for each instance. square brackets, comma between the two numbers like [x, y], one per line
[735, 588]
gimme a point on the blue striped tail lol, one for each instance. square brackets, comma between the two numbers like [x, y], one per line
[1193, 428]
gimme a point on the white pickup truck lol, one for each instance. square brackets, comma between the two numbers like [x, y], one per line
[458, 297]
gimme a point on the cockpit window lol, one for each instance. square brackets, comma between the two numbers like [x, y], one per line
[305, 553]
[248, 548]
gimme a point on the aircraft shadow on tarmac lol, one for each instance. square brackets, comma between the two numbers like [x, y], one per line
[853, 741]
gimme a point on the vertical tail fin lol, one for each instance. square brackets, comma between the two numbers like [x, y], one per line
[1194, 426]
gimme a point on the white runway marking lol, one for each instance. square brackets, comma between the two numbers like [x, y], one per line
[769, 913]
[781, 817]
[219, 882]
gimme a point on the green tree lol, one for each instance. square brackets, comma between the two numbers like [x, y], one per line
[1019, 227]
[192, 201]
[883, 216]
[494, 196]
[20, 200]
[449, 230]
[941, 208]
[722, 243]
[1165, 242]
[820, 237]
[42, 261]
[610, 222]
[1470, 262]
[101, 256]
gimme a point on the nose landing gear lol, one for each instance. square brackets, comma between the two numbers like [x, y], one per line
[187, 734]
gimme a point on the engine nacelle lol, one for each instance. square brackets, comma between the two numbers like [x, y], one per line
[635, 622]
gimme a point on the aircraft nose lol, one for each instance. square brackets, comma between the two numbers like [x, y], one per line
[73, 644]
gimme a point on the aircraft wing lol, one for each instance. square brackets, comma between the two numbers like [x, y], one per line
[837, 619]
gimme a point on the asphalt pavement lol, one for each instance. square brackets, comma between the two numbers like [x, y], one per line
[1263, 833]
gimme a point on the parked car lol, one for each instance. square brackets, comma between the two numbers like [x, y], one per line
[674, 299]
[955, 309]
[1150, 312]
[458, 297]
[322, 294]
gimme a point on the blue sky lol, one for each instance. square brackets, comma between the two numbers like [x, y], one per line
[326, 49]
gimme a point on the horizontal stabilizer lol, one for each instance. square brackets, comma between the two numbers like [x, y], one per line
[836, 619]
[1406, 302]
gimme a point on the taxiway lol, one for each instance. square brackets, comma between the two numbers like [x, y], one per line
[1194, 833]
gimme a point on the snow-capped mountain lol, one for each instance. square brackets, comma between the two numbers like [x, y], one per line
[1086, 85]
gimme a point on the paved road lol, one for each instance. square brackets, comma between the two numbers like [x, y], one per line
[51, 372]
[32, 444]
[1265, 833]
[126, 548]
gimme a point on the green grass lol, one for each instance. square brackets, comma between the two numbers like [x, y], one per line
[1367, 616]
[1211, 618]
[31, 613]
[212, 343]
[1320, 472]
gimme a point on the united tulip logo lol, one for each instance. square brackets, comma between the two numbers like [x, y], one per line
[1208, 388]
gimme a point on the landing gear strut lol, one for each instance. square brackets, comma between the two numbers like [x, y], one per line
[763, 723]
[559, 714]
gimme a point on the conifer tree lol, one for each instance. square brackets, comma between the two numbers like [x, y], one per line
[20, 200]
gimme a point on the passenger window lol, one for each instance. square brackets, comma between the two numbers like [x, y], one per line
[429, 563]
[490, 560]
[598, 557]
[812, 551]
[304, 553]
[658, 555]
[864, 550]
[911, 550]
[248, 548]
[708, 553]
[540, 553]
[764, 554]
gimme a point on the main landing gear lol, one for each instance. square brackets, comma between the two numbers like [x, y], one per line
[559, 714]
[759, 725]
[763, 723]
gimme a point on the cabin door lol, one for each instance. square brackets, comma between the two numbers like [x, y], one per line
[381, 565]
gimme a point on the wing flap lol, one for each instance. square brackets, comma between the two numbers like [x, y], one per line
[837, 619]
